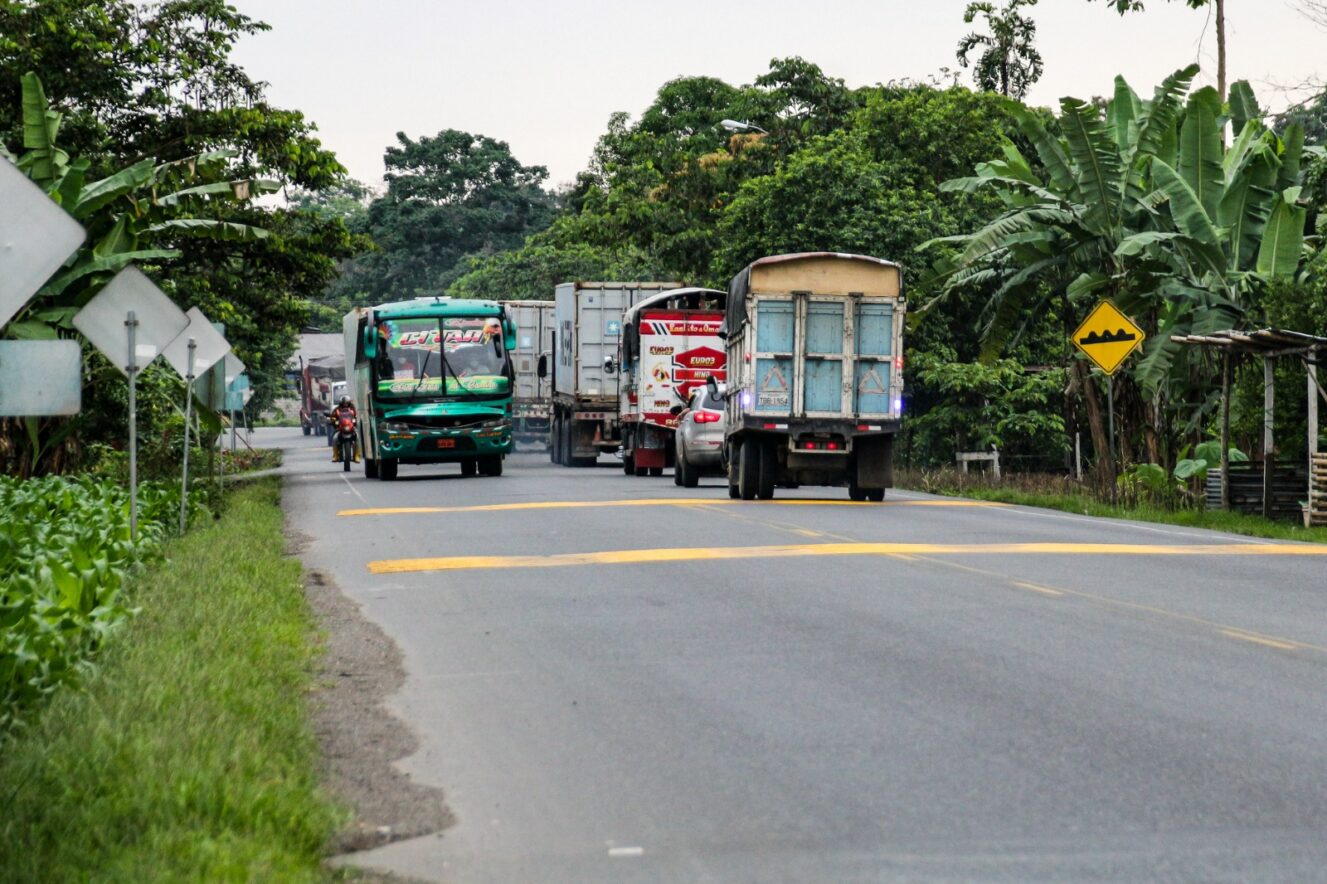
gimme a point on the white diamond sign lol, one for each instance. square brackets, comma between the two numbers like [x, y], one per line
[103, 320]
[36, 237]
[210, 346]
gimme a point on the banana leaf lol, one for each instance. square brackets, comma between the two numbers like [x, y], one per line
[1201, 149]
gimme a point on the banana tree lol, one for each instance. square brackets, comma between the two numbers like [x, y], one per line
[1139, 203]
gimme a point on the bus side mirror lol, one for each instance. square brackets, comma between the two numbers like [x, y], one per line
[542, 368]
[370, 343]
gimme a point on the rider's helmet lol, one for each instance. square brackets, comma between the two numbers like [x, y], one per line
[345, 401]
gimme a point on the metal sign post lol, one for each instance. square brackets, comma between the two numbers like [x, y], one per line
[188, 416]
[131, 311]
[1107, 337]
[193, 352]
[131, 323]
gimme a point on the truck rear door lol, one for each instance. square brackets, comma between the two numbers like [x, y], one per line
[825, 356]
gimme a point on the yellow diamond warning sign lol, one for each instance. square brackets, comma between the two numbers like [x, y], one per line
[1107, 337]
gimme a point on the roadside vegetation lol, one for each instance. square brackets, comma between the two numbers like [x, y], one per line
[1058, 492]
[187, 755]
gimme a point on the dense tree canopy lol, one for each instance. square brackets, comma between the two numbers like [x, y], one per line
[448, 196]
[145, 95]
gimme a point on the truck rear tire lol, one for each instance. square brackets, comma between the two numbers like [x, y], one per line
[748, 469]
[554, 448]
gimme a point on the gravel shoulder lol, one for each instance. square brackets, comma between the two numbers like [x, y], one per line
[360, 738]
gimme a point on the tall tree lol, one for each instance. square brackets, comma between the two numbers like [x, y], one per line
[1009, 63]
[154, 83]
[1123, 6]
[448, 196]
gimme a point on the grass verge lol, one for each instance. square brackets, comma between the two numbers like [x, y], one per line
[189, 755]
[1059, 494]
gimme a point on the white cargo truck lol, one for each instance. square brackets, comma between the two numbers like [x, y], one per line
[815, 374]
[532, 402]
[588, 324]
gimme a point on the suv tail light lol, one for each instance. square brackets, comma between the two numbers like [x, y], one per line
[707, 417]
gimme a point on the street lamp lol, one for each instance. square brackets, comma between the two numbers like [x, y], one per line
[740, 126]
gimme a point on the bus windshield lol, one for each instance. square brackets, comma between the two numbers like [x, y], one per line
[441, 356]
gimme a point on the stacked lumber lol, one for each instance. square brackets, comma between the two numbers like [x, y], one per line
[1317, 515]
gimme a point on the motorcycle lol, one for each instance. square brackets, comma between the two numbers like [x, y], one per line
[343, 441]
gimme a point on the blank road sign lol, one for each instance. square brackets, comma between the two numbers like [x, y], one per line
[102, 321]
[36, 236]
[40, 378]
[210, 346]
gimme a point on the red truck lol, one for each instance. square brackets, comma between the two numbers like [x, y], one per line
[322, 379]
[670, 345]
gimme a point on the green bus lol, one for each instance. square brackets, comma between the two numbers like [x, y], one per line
[431, 379]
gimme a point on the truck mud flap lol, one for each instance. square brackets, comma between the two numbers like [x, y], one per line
[874, 457]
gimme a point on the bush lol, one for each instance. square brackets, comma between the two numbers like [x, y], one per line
[64, 555]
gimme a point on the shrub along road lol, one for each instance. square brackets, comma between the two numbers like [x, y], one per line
[616, 679]
[189, 756]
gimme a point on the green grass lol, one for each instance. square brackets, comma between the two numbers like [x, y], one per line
[189, 755]
[1215, 520]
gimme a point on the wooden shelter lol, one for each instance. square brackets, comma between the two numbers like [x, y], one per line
[1270, 344]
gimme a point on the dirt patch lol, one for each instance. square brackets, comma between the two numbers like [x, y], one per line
[360, 738]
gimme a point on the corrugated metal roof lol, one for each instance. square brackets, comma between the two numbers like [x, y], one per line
[1263, 342]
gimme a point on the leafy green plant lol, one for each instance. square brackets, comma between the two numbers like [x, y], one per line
[64, 557]
[1205, 456]
[1149, 483]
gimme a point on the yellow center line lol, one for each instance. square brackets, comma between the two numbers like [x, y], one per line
[1263, 640]
[662, 501]
[1044, 590]
[646, 556]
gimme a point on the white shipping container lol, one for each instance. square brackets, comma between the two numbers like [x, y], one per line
[534, 336]
[588, 320]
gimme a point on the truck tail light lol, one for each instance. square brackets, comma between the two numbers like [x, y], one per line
[810, 446]
[898, 363]
[831, 446]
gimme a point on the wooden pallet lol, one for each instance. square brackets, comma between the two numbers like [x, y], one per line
[1317, 515]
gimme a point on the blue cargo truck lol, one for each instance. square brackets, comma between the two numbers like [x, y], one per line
[815, 374]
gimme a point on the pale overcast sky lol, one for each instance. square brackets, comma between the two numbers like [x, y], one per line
[544, 75]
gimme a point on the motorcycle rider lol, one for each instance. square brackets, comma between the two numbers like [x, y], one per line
[344, 408]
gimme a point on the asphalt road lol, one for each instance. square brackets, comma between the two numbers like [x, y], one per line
[616, 679]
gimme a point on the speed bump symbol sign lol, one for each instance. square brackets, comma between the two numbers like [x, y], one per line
[1107, 337]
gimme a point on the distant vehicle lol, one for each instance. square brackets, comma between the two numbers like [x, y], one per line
[532, 399]
[670, 346]
[316, 381]
[432, 383]
[815, 382]
[588, 323]
[700, 430]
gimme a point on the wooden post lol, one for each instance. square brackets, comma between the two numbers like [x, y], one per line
[1225, 430]
[1268, 442]
[1313, 409]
